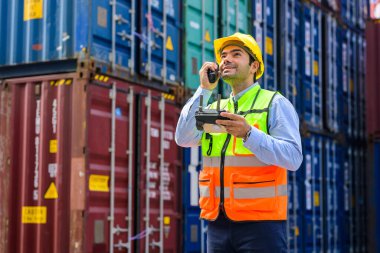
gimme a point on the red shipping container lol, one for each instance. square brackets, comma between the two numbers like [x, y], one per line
[73, 166]
[372, 79]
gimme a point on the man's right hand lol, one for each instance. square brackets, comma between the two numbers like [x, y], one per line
[205, 84]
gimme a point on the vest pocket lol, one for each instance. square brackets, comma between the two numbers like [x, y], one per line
[253, 193]
[206, 190]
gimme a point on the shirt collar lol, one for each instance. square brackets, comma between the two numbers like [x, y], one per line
[241, 93]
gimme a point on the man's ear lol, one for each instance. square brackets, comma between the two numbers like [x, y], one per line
[255, 66]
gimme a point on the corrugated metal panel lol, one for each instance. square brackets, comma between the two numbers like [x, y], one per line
[73, 166]
[264, 15]
[372, 71]
[159, 186]
[200, 31]
[334, 197]
[333, 75]
[236, 17]
[312, 74]
[314, 195]
[40, 161]
[106, 32]
[291, 50]
[195, 236]
[6, 134]
[354, 13]
[160, 43]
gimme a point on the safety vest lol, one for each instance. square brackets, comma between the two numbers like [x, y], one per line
[233, 179]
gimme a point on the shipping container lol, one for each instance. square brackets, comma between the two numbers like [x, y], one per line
[121, 37]
[200, 21]
[236, 16]
[372, 90]
[313, 209]
[264, 20]
[312, 95]
[291, 53]
[195, 229]
[373, 179]
[334, 197]
[80, 174]
[333, 76]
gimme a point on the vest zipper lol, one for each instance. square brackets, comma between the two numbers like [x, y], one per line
[223, 155]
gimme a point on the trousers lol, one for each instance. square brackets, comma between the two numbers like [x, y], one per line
[226, 236]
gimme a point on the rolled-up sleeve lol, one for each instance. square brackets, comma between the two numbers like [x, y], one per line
[283, 146]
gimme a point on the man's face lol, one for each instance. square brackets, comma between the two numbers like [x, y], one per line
[235, 64]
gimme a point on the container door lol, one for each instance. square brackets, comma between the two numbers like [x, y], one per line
[264, 14]
[201, 19]
[312, 74]
[195, 229]
[291, 45]
[113, 33]
[159, 176]
[160, 40]
[39, 182]
[313, 183]
[110, 160]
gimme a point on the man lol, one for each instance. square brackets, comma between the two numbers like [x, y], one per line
[243, 183]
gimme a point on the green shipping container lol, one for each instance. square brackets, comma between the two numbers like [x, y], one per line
[202, 26]
[200, 31]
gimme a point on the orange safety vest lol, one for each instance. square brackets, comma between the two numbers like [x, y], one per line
[233, 179]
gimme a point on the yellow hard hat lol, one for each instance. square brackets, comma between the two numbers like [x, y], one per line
[245, 41]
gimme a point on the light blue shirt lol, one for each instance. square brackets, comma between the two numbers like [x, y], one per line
[282, 147]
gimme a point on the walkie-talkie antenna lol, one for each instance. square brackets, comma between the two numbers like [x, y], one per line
[201, 103]
[218, 103]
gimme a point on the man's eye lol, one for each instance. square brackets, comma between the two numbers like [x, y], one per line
[237, 54]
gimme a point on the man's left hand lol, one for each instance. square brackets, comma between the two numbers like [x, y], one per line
[236, 126]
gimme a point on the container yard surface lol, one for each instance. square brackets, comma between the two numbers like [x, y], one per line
[91, 92]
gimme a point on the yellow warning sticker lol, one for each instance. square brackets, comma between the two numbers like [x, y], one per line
[33, 9]
[53, 147]
[169, 44]
[51, 192]
[99, 183]
[166, 220]
[316, 198]
[316, 68]
[296, 231]
[207, 36]
[269, 46]
[34, 214]
[294, 90]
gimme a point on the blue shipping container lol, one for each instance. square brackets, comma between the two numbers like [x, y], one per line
[42, 31]
[314, 197]
[312, 59]
[194, 228]
[264, 16]
[291, 52]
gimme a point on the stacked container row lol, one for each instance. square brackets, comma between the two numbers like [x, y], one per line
[318, 63]
[88, 164]
[122, 37]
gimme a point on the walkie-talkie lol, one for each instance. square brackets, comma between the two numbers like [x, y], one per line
[209, 116]
[211, 74]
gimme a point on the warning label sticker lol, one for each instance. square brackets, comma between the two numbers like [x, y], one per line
[169, 44]
[99, 183]
[51, 192]
[33, 9]
[34, 214]
[53, 147]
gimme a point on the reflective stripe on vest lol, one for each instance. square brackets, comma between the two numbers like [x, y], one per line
[247, 193]
[233, 161]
